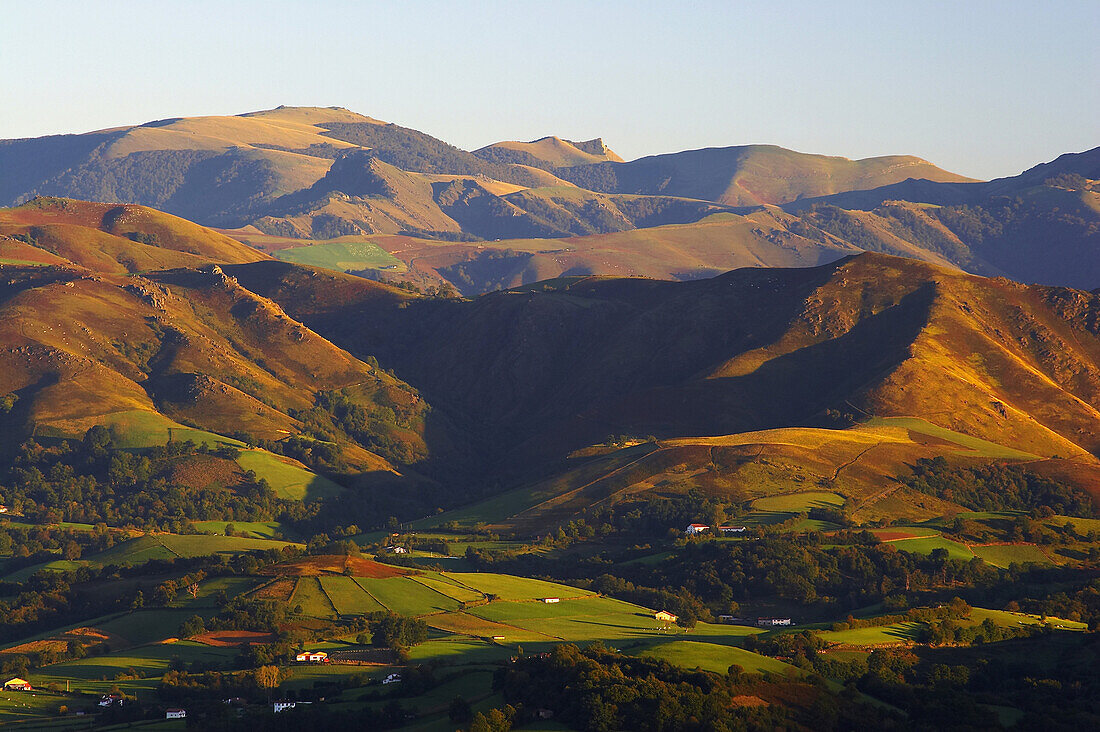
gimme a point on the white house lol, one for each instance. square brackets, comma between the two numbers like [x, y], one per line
[175, 714]
[665, 616]
[312, 657]
[550, 600]
[392, 679]
[397, 550]
[696, 528]
[281, 705]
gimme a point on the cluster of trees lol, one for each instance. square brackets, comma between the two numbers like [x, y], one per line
[390, 630]
[998, 488]
[90, 481]
[598, 689]
[853, 570]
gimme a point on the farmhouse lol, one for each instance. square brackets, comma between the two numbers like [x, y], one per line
[17, 684]
[397, 550]
[665, 616]
[767, 622]
[696, 529]
[392, 679]
[312, 657]
[550, 600]
[108, 699]
[175, 714]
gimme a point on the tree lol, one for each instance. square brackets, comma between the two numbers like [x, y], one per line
[267, 677]
[192, 626]
[460, 710]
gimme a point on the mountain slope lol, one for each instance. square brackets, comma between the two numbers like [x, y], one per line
[539, 372]
[1040, 226]
[549, 152]
[98, 339]
[751, 175]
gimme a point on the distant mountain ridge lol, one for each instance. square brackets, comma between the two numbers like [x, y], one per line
[515, 212]
[231, 171]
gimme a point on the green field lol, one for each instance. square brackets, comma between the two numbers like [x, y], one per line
[508, 612]
[711, 657]
[139, 428]
[405, 596]
[342, 256]
[16, 706]
[255, 529]
[348, 597]
[1003, 556]
[798, 502]
[309, 595]
[507, 587]
[895, 633]
[98, 674]
[286, 479]
[926, 544]
[171, 546]
[1008, 619]
[448, 587]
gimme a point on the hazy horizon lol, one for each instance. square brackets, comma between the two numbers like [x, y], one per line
[986, 90]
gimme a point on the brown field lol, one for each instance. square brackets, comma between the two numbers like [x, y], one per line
[281, 590]
[228, 638]
[894, 535]
[205, 471]
[748, 701]
[59, 643]
[335, 564]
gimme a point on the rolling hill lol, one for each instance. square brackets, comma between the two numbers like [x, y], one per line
[147, 335]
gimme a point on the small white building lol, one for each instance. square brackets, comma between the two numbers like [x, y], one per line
[176, 714]
[550, 600]
[665, 616]
[392, 679]
[397, 550]
[769, 622]
[726, 530]
[312, 657]
[696, 529]
[283, 705]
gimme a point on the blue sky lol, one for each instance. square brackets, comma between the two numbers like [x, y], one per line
[981, 88]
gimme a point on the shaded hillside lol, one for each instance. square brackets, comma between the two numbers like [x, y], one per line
[683, 252]
[1040, 226]
[750, 175]
[538, 372]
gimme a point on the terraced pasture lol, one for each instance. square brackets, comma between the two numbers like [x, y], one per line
[348, 597]
[312, 598]
[405, 596]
